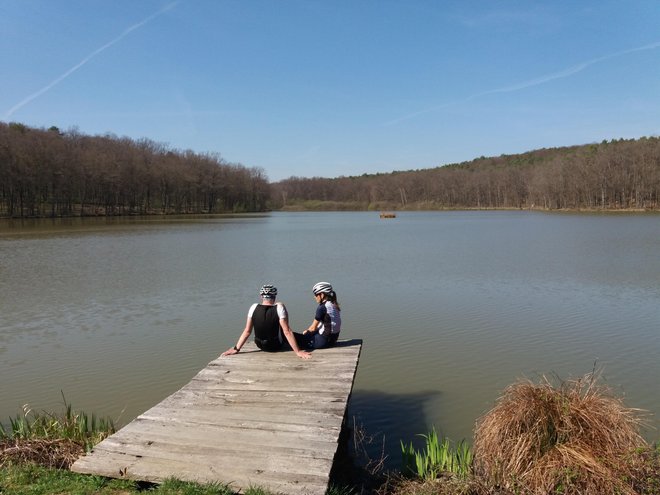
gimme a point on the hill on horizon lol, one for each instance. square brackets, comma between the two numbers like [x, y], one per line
[615, 174]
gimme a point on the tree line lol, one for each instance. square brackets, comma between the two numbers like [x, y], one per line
[617, 174]
[49, 173]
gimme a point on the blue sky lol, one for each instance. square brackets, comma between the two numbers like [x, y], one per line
[329, 88]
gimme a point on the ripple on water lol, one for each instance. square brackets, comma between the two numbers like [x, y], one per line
[452, 307]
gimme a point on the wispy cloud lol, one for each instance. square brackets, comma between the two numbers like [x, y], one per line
[89, 57]
[527, 84]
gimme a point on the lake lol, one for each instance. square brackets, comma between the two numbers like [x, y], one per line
[115, 314]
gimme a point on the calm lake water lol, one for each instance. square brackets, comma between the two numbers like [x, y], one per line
[116, 314]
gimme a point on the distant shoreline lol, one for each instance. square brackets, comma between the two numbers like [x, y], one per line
[300, 208]
[341, 208]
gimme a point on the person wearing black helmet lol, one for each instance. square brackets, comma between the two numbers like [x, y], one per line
[325, 328]
[271, 326]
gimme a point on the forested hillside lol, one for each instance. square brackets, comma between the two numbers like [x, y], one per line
[618, 174]
[53, 173]
[47, 173]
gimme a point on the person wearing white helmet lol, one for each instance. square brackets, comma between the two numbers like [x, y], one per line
[325, 328]
[271, 326]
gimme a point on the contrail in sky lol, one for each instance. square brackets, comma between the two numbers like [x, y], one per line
[89, 57]
[527, 84]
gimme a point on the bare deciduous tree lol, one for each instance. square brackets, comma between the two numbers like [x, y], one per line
[53, 173]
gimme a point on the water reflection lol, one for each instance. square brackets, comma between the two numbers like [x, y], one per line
[386, 418]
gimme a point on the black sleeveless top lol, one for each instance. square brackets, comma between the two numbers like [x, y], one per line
[267, 331]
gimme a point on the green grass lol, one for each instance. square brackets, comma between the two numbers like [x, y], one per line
[320, 205]
[31, 479]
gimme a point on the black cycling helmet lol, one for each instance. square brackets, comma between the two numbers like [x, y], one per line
[268, 291]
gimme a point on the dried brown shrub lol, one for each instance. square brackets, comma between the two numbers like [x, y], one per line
[574, 438]
[60, 453]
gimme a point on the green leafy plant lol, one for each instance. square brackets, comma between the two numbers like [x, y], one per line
[438, 457]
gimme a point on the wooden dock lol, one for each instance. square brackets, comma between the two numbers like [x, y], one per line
[252, 419]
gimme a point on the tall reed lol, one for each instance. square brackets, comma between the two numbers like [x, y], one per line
[79, 427]
[437, 458]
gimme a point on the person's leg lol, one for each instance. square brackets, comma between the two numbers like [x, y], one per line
[304, 341]
[319, 341]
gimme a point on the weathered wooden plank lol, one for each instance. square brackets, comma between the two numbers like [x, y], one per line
[118, 465]
[274, 418]
[291, 460]
[271, 383]
[281, 361]
[252, 419]
[265, 378]
[212, 436]
[316, 428]
[190, 396]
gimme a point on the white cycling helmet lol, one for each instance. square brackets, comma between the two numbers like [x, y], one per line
[269, 291]
[322, 288]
